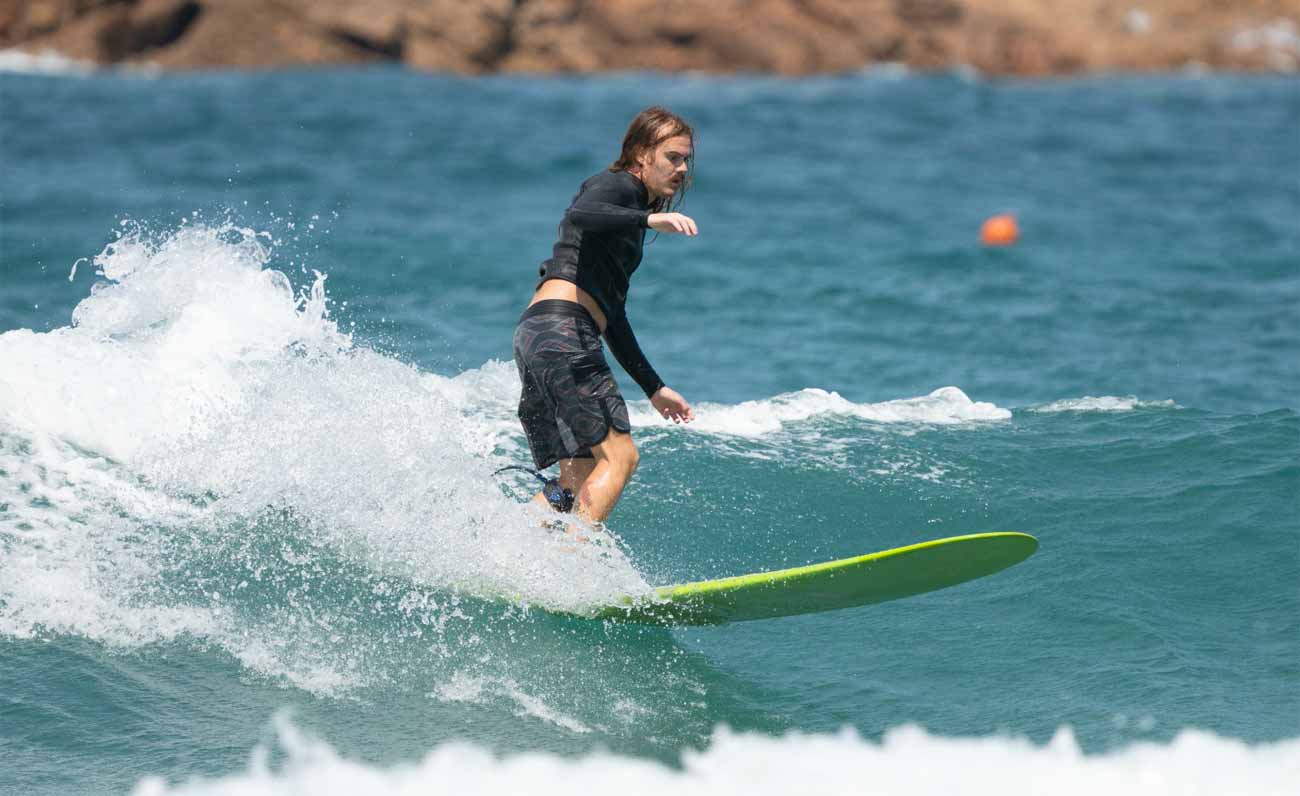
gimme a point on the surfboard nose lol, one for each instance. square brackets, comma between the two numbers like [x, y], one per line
[832, 585]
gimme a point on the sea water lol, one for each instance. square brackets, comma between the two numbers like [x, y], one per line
[255, 380]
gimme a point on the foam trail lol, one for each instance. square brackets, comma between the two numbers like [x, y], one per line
[203, 443]
[944, 406]
[1104, 403]
[908, 760]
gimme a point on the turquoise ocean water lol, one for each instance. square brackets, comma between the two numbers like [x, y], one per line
[246, 502]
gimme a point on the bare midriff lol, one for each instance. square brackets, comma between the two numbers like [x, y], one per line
[564, 290]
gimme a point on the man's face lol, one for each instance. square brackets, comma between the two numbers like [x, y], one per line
[664, 169]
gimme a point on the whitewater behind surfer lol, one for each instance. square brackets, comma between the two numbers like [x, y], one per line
[570, 406]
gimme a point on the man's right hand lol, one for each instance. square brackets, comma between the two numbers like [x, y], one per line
[673, 222]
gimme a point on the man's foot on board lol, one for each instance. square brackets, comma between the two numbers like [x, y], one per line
[579, 530]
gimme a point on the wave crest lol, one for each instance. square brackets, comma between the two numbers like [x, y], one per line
[907, 760]
[1104, 403]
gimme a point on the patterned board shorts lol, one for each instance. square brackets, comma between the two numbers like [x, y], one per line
[570, 400]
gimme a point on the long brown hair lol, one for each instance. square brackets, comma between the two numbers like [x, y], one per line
[649, 129]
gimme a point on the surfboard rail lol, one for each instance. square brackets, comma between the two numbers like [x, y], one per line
[827, 586]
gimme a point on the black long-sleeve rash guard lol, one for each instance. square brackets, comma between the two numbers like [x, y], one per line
[599, 246]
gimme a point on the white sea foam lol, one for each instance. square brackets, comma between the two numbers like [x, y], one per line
[1278, 39]
[52, 63]
[944, 406]
[195, 395]
[46, 62]
[1105, 403]
[907, 761]
[465, 687]
[888, 70]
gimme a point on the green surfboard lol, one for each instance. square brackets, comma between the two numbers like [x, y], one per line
[829, 586]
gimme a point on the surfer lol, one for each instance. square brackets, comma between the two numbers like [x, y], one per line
[570, 407]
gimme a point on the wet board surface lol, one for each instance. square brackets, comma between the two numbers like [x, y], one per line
[828, 586]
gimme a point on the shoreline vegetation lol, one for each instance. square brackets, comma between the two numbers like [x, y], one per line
[786, 37]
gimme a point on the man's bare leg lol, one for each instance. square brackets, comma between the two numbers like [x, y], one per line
[598, 482]
[616, 460]
[572, 473]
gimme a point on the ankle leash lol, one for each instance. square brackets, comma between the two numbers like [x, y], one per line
[561, 499]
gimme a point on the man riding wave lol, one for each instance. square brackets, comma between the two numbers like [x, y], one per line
[570, 407]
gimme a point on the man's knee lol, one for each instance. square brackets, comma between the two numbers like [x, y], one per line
[619, 450]
[626, 454]
[634, 456]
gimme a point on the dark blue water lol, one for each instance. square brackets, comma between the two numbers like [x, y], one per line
[222, 494]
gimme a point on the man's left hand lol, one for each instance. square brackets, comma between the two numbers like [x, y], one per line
[672, 406]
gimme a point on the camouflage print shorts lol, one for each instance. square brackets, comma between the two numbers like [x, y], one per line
[570, 400]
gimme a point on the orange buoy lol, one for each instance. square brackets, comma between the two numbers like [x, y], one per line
[1000, 231]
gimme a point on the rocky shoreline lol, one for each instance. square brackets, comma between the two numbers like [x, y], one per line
[787, 37]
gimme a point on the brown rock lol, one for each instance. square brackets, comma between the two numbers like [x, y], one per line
[146, 26]
[728, 35]
[77, 36]
[43, 16]
[460, 37]
[1029, 37]
[379, 28]
[256, 34]
[926, 13]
